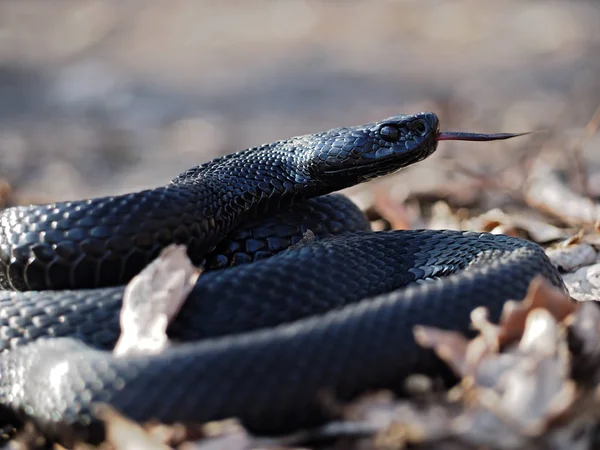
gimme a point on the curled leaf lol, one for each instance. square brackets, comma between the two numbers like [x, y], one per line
[152, 299]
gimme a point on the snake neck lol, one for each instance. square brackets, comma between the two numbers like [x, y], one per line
[106, 241]
[260, 178]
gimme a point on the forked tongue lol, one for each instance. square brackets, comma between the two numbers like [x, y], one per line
[460, 136]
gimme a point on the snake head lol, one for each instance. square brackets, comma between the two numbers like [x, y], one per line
[352, 155]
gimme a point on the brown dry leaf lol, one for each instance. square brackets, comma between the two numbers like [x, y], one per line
[522, 397]
[124, 434]
[593, 238]
[590, 129]
[374, 408]
[413, 425]
[547, 193]
[442, 217]
[517, 394]
[476, 360]
[541, 294]
[395, 213]
[27, 438]
[575, 239]
[584, 283]
[507, 230]
[541, 335]
[174, 434]
[227, 434]
[488, 331]
[399, 423]
[584, 327]
[464, 192]
[572, 256]
[152, 299]
[530, 387]
[536, 389]
[230, 434]
[480, 428]
[452, 347]
[497, 221]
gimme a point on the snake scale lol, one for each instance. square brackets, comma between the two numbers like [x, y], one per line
[257, 341]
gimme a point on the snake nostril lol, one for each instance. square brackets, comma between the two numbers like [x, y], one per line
[432, 120]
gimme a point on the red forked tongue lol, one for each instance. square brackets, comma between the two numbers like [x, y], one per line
[460, 136]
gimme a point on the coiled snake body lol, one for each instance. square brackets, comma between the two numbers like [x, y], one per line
[261, 340]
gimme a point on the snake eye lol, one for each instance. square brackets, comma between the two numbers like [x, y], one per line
[419, 127]
[389, 133]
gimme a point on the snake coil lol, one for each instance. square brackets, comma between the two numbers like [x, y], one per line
[259, 341]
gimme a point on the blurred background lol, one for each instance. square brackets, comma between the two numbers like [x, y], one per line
[102, 97]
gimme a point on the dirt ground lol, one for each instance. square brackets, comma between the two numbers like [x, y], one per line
[102, 97]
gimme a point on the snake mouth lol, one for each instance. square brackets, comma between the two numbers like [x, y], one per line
[464, 136]
[366, 169]
[362, 173]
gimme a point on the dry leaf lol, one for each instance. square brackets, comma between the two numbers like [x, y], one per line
[401, 422]
[584, 283]
[536, 388]
[497, 221]
[442, 217]
[541, 294]
[226, 434]
[307, 238]
[124, 434]
[152, 299]
[395, 213]
[575, 239]
[573, 256]
[452, 347]
[549, 194]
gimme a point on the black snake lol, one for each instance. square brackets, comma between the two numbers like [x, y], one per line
[261, 341]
